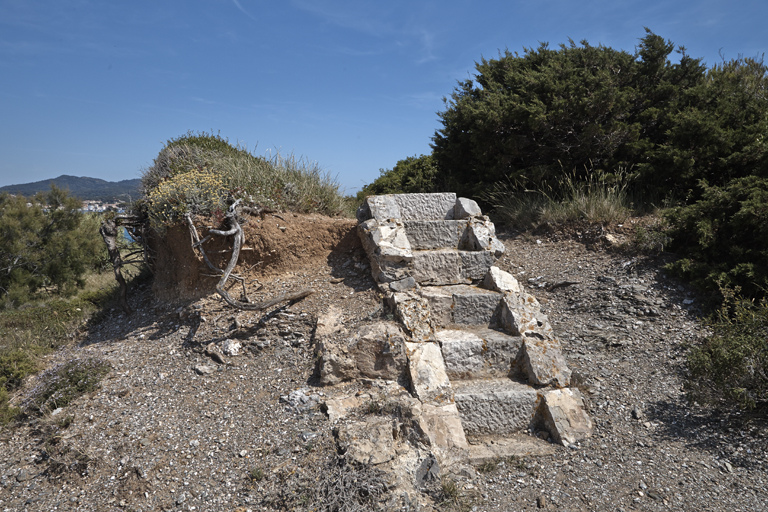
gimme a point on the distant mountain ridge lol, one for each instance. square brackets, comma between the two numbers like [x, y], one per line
[84, 188]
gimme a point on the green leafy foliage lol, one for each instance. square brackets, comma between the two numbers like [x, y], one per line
[45, 243]
[526, 119]
[201, 173]
[415, 174]
[723, 238]
[732, 364]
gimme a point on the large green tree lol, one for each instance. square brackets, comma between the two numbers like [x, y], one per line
[528, 119]
[44, 242]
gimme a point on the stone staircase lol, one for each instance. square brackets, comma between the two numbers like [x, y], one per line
[481, 339]
[479, 361]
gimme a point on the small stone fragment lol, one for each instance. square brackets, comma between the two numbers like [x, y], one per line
[565, 417]
[203, 369]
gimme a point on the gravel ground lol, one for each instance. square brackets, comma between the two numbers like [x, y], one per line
[172, 429]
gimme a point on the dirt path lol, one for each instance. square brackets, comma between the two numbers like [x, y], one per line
[170, 429]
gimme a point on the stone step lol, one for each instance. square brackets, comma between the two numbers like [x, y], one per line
[449, 266]
[477, 353]
[494, 448]
[495, 406]
[463, 305]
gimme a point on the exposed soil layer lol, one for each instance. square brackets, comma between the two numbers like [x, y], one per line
[171, 429]
[273, 244]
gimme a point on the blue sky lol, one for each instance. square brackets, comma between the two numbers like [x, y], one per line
[94, 88]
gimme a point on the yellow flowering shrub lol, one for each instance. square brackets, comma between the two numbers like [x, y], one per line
[196, 191]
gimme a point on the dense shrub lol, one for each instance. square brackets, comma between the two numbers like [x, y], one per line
[732, 364]
[411, 175]
[528, 119]
[201, 173]
[45, 243]
[722, 239]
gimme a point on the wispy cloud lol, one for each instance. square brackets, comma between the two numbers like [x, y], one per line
[240, 7]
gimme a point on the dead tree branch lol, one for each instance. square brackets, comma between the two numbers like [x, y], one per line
[237, 231]
[108, 231]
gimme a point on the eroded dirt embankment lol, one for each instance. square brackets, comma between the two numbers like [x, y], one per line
[274, 244]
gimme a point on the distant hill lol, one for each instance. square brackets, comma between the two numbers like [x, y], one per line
[82, 188]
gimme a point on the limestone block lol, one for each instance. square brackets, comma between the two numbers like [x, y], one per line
[480, 235]
[434, 234]
[367, 442]
[442, 424]
[474, 306]
[442, 266]
[403, 285]
[382, 207]
[462, 352]
[500, 281]
[428, 375]
[464, 208]
[413, 312]
[474, 265]
[387, 247]
[375, 351]
[379, 351]
[440, 301]
[425, 206]
[494, 406]
[521, 315]
[500, 351]
[542, 361]
[565, 417]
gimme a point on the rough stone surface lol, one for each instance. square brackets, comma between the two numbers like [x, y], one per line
[480, 235]
[464, 208]
[494, 406]
[403, 285]
[442, 425]
[500, 281]
[434, 234]
[542, 361]
[565, 417]
[475, 306]
[413, 312]
[495, 448]
[428, 374]
[375, 351]
[426, 206]
[475, 264]
[500, 351]
[462, 353]
[367, 442]
[521, 315]
[442, 266]
[440, 300]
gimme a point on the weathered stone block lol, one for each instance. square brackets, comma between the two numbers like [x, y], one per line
[426, 206]
[465, 208]
[474, 306]
[500, 351]
[367, 442]
[494, 406]
[428, 375]
[565, 417]
[442, 266]
[542, 361]
[383, 207]
[440, 301]
[462, 353]
[521, 315]
[434, 234]
[500, 281]
[442, 424]
[376, 351]
[413, 312]
[474, 265]
[480, 235]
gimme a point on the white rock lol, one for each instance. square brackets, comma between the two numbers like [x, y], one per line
[500, 281]
[231, 347]
[428, 374]
[564, 416]
[464, 208]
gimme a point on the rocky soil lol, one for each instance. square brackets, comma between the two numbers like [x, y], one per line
[177, 425]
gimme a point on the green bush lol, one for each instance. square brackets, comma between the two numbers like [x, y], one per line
[732, 364]
[45, 243]
[722, 240]
[582, 108]
[411, 175]
[202, 173]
